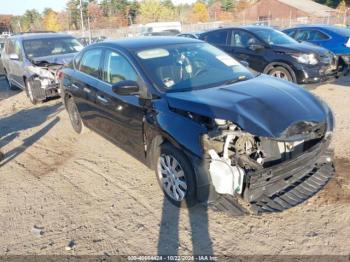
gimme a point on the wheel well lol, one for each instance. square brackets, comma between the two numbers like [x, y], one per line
[273, 65]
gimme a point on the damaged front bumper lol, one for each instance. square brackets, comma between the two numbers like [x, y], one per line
[45, 88]
[290, 183]
[270, 188]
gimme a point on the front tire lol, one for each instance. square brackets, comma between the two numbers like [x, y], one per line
[74, 116]
[176, 176]
[30, 92]
[281, 72]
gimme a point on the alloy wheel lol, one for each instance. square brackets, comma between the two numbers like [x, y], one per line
[280, 74]
[172, 177]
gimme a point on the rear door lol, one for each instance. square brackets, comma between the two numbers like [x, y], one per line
[240, 44]
[219, 38]
[120, 116]
[84, 84]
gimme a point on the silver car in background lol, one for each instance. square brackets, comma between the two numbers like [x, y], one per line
[32, 62]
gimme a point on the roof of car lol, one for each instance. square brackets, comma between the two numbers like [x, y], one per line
[30, 36]
[246, 27]
[316, 26]
[148, 42]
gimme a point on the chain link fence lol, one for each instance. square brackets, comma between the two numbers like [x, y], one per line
[135, 30]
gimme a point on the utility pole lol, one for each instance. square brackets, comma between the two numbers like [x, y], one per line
[345, 16]
[82, 18]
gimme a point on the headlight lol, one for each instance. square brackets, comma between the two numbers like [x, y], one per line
[309, 59]
[41, 72]
[220, 122]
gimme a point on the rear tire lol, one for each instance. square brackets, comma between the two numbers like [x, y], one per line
[281, 72]
[176, 176]
[74, 116]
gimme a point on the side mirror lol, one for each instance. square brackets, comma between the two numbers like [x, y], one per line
[14, 57]
[244, 63]
[126, 87]
[256, 46]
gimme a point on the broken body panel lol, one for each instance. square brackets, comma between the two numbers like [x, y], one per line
[44, 72]
[252, 136]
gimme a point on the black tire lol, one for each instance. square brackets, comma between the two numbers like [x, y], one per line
[189, 199]
[30, 94]
[281, 72]
[74, 116]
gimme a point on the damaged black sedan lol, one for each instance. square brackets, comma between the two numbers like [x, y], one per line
[207, 126]
[32, 62]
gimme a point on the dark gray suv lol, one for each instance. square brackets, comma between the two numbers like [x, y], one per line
[32, 61]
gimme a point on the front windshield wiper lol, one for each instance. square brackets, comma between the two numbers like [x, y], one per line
[235, 80]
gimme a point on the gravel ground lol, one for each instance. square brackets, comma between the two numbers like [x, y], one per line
[58, 186]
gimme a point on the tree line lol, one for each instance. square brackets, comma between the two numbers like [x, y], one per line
[120, 13]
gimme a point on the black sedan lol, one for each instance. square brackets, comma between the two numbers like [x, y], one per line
[272, 52]
[202, 121]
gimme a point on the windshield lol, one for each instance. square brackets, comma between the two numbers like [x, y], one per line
[341, 31]
[190, 66]
[50, 47]
[274, 37]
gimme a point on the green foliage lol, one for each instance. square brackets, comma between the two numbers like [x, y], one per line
[155, 11]
[30, 21]
[227, 5]
[332, 3]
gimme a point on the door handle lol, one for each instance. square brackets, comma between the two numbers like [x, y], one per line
[102, 99]
[87, 90]
[75, 86]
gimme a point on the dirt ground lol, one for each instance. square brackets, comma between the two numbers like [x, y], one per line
[57, 186]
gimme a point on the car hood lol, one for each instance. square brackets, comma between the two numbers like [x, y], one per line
[302, 47]
[54, 59]
[263, 106]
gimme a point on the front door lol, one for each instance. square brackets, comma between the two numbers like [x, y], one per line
[241, 42]
[120, 116]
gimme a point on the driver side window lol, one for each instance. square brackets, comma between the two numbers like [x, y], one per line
[243, 39]
[116, 68]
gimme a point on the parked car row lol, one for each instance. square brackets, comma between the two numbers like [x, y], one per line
[272, 52]
[335, 39]
[207, 125]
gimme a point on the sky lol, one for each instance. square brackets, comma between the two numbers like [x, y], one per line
[18, 7]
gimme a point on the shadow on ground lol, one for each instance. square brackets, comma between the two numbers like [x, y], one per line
[11, 126]
[27, 142]
[168, 242]
[5, 91]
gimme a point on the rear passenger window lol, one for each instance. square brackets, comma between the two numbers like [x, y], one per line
[90, 63]
[116, 68]
[217, 37]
